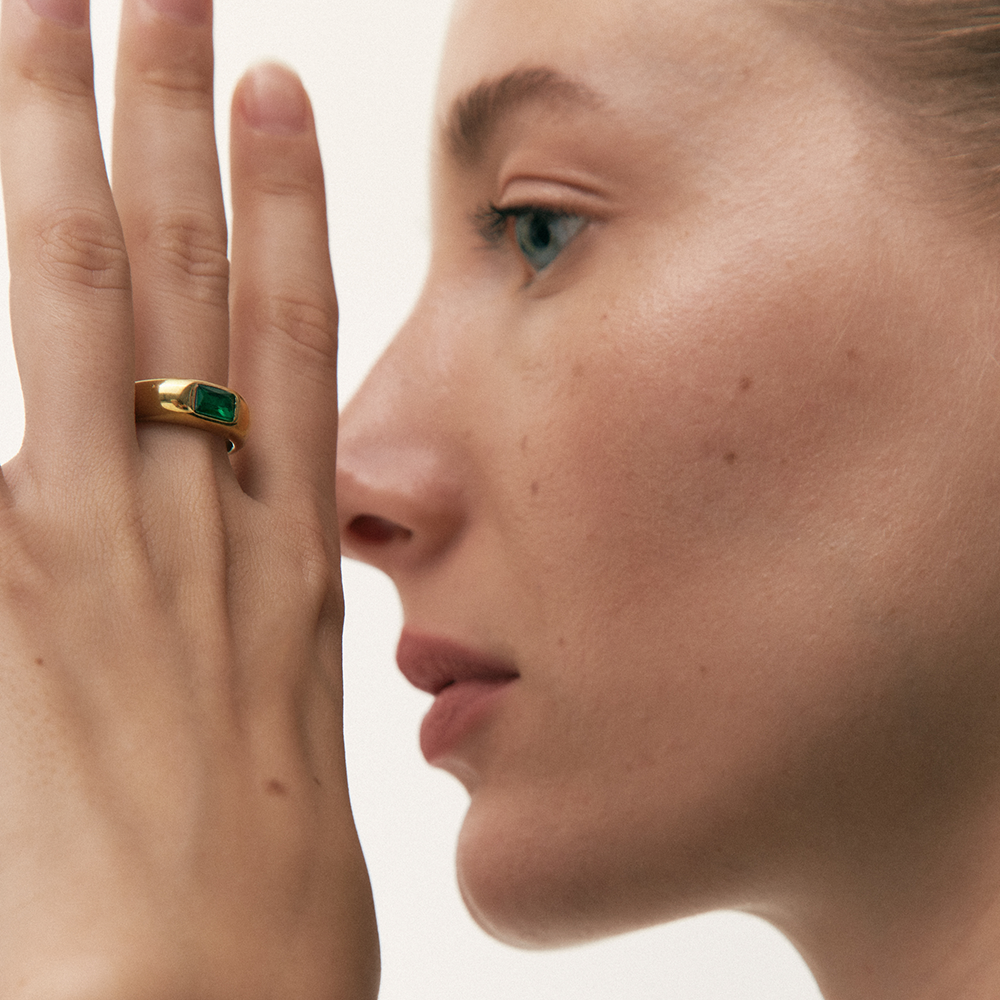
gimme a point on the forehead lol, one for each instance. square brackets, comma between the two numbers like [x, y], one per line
[719, 74]
[685, 45]
[722, 82]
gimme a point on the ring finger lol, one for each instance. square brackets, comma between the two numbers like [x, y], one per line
[165, 175]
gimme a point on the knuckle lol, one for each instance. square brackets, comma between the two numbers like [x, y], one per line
[83, 247]
[281, 179]
[193, 243]
[307, 323]
[70, 79]
[183, 83]
[316, 566]
[23, 582]
[335, 608]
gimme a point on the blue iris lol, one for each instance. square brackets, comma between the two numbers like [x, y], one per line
[542, 235]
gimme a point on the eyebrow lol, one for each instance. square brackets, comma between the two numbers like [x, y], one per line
[475, 115]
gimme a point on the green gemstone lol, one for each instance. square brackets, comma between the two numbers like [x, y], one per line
[215, 404]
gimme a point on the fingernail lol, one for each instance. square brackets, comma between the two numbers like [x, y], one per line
[273, 100]
[72, 13]
[185, 11]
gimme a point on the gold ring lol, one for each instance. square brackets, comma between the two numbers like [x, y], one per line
[192, 403]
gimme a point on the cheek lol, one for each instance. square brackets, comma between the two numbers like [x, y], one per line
[677, 482]
[668, 433]
[710, 494]
[686, 473]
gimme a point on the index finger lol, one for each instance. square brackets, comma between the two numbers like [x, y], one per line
[70, 289]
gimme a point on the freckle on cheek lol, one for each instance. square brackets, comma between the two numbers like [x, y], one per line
[730, 457]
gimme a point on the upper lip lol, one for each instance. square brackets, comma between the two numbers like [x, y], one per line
[432, 664]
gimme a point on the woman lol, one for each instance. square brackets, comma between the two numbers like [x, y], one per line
[683, 467]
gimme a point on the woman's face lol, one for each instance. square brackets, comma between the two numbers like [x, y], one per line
[680, 433]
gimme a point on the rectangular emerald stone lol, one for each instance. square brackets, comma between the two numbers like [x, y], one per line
[215, 404]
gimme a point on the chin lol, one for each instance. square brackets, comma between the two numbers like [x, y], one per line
[501, 888]
[542, 878]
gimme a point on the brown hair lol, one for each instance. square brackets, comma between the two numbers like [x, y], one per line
[936, 64]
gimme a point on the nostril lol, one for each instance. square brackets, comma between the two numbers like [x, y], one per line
[373, 530]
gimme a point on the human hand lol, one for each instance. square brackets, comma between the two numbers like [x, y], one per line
[176, 821]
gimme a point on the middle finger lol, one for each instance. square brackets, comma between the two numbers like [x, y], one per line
[165, 172]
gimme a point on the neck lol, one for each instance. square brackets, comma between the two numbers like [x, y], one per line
[918, 920]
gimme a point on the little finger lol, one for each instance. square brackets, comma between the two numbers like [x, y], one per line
[284, 307]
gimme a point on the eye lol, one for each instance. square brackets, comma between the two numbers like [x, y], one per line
[541, 234]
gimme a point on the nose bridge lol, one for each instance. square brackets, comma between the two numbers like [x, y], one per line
[399, 462]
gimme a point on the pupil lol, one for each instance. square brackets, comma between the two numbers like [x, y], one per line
[541, 235]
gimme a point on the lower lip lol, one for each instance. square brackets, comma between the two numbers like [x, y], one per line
[457, 710]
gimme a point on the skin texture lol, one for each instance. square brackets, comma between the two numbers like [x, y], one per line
[175, 821]
[719, 482]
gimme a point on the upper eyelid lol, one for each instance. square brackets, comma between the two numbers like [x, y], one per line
[491, 220]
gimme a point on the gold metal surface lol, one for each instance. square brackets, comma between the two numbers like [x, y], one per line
[174, 401]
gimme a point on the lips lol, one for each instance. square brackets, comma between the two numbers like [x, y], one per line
[465, 685]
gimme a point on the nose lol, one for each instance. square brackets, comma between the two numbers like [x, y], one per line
[399, 465]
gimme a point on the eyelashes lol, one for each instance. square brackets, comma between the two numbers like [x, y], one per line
[491, 222]
[541, 234]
